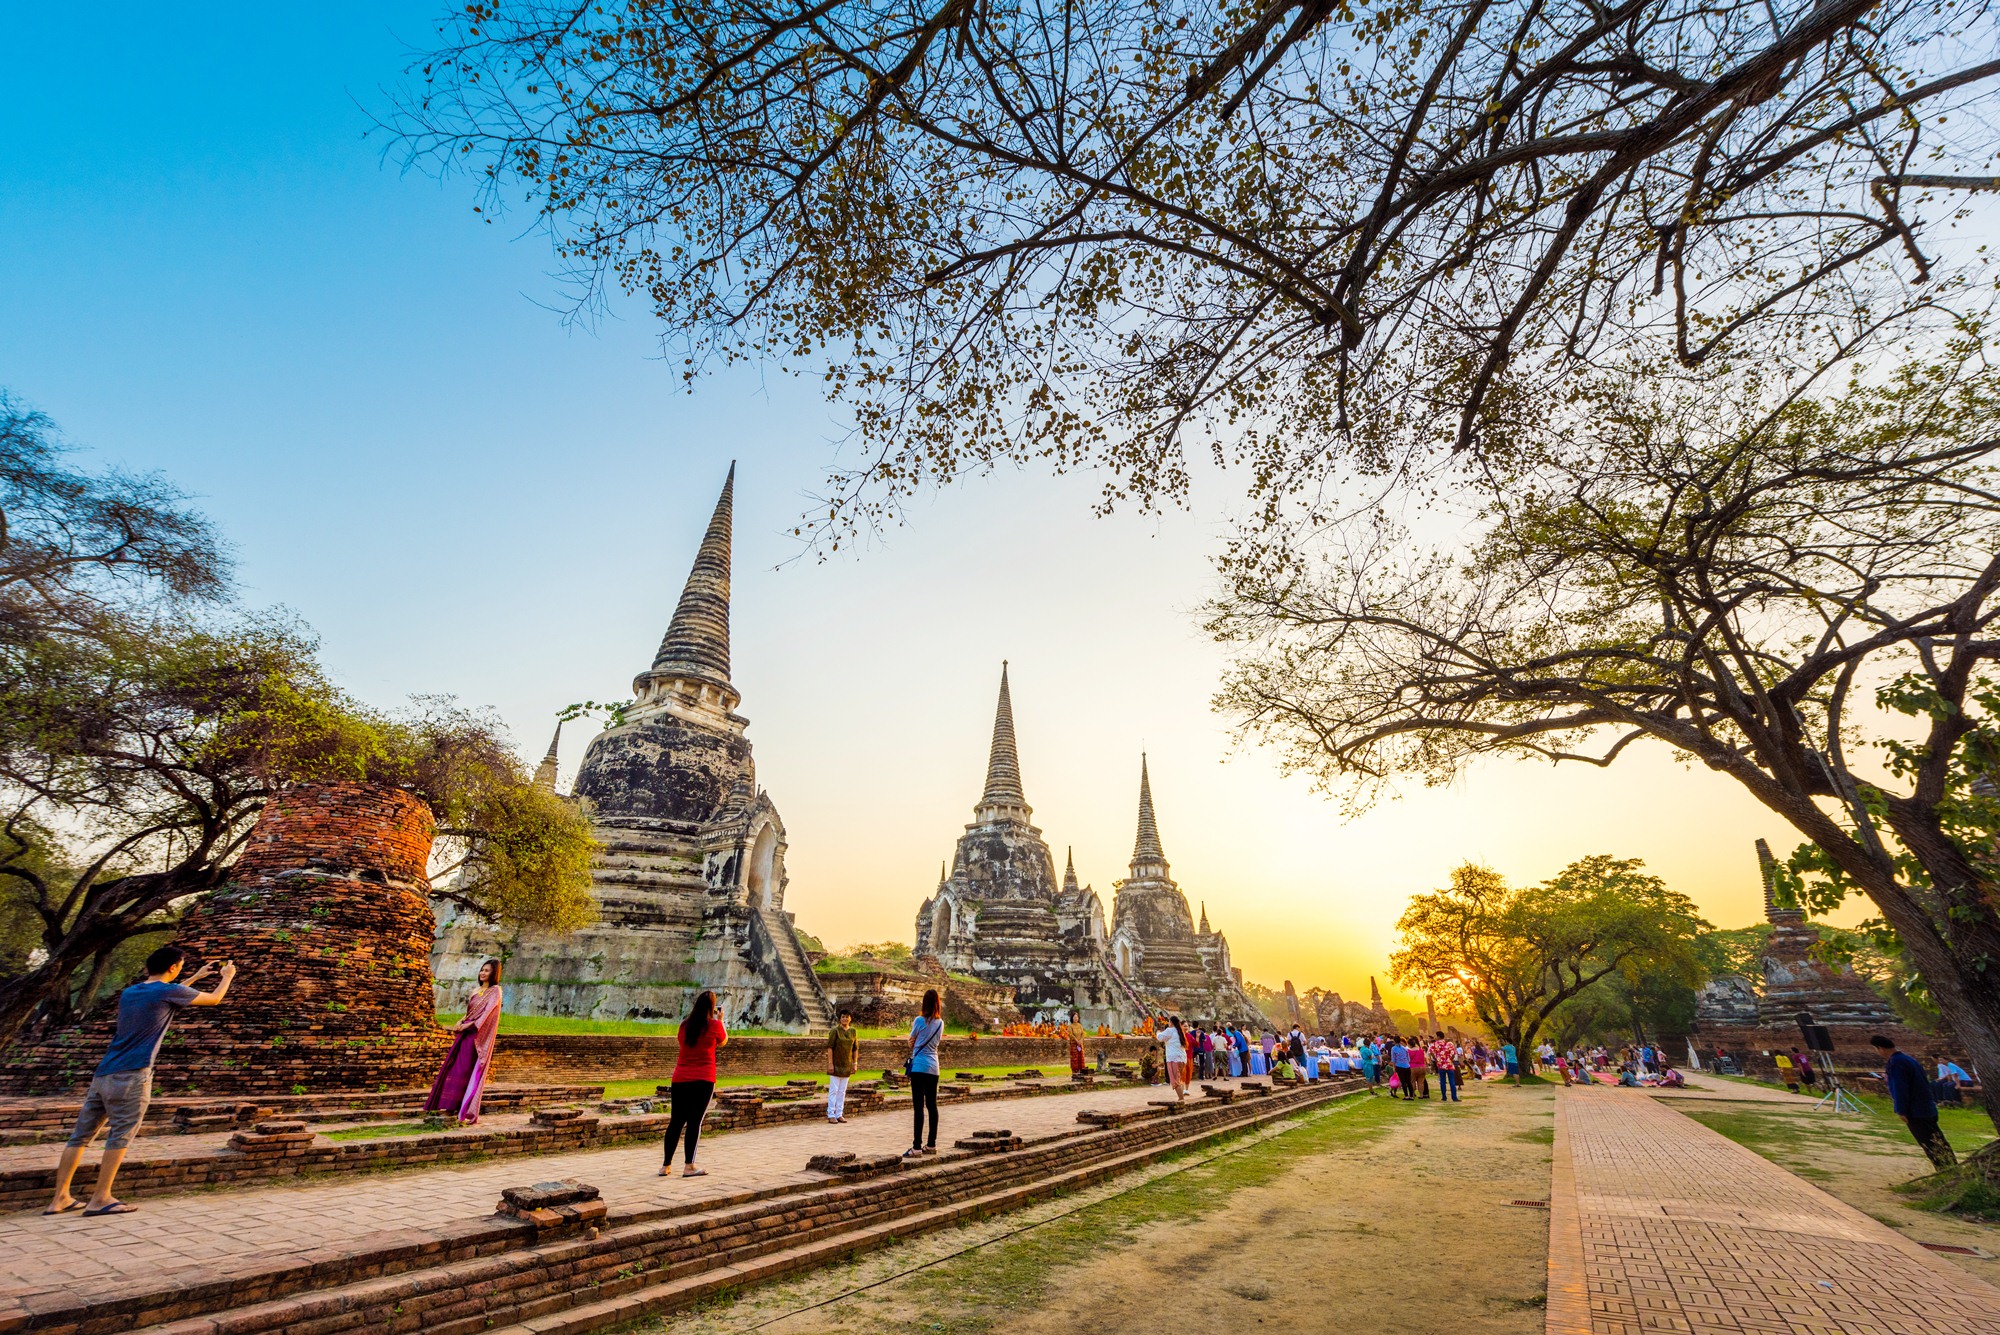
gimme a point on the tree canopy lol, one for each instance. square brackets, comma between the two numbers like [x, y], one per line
[1757, 578]
[144, 721]
[1101, 233]
[1514, 957]
[133, 765]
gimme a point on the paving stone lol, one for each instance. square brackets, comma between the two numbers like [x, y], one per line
[1659, 1224]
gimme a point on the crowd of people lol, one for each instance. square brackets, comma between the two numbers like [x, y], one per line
[1407, 1066]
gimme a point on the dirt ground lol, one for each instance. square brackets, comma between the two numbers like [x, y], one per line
[1400, 1210]
[1860, 1159]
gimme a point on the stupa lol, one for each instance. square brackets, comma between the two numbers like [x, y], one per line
[1000, 915]
[1155, 943]
[690, 876]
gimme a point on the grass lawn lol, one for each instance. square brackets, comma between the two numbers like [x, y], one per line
[554, 1024]
[378, 1130]
[642, 1089]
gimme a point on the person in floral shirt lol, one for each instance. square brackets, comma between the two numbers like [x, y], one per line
[1443, 1055]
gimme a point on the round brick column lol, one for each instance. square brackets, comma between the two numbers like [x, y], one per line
[327, 917]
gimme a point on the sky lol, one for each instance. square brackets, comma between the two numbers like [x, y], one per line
[209, 267]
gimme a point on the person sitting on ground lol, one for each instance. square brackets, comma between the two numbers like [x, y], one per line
[122, 1085]
[1910, 1094]
[1672, 1079]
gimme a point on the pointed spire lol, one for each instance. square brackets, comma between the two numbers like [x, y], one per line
[1204, 917]
[1003, 764]
[1070, 886]
[697, 640]
[1374, 993]
[545, 773]
[1767, 867]
[1147, 846]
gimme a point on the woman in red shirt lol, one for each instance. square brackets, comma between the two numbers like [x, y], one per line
[694, 1080]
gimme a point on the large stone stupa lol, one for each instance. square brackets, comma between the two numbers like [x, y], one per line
[1000, 915]
[690, 875]
[1155, 943]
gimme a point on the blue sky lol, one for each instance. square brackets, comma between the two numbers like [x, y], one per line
[208, 268]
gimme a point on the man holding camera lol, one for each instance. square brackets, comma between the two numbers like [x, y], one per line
[123, 1084]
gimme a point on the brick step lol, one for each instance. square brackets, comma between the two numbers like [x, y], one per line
[672, 1257]
[684, 1291]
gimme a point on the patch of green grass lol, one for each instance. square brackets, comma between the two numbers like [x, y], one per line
[643, 1088]
[378, 1131]
[979, 1290]
[1544, 1135]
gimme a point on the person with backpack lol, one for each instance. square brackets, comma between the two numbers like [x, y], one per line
[926, 1032]
[701, 1034]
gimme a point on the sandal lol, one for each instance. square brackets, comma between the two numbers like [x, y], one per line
[692, 1171]
[64, 1209]
[116, 1207]
[914, 1152]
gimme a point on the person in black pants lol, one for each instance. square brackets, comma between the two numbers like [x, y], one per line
[693, 1080]
[1910, 1093]
[926, 1031]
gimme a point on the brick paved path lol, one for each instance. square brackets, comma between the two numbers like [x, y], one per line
[1660, 1224]
[219, 1234]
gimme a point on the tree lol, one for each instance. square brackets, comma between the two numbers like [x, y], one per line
[1293, 233]
[153, 747]
[1516, 957]
[1712, 566]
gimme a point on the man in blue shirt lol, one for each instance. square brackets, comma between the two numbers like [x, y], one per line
[1910, 1094]
[123, 1084]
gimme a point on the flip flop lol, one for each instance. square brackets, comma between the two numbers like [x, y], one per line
[694, 1172]
[73, 1205]
[116, 1207]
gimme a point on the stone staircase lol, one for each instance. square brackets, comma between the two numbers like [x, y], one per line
[798, 971]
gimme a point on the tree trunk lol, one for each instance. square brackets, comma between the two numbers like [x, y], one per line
[20, 996]
[1960, 961]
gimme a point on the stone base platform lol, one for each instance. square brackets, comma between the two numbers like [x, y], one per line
[217, 1158]
[439, 1261]
[26, 1121]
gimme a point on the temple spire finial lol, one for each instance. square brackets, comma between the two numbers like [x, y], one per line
[697, 639]
[545, 773]
[1204, 917]
[1003, 763]
[1147, 846]
[1069, 873]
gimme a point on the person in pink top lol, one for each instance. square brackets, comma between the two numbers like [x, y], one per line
[693, 1085]
[1417, 1064]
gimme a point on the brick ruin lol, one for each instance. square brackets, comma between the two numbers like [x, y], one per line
[894, 993]
[327, 917]
[1750, 1016]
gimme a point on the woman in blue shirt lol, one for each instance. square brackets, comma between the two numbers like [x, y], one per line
[925, 1033]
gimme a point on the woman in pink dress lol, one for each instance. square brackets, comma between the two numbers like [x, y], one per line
[457, 1087]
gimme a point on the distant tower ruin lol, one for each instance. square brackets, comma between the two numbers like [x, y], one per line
[1001, 916]
[1155, 943]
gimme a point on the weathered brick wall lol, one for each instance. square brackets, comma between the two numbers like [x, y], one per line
[327, 919]
[1749, 1044]
[626, 1057]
